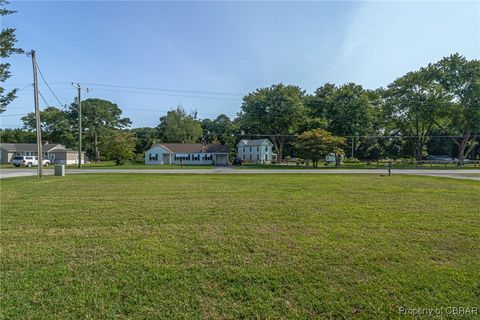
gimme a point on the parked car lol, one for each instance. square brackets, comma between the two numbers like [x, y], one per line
[46, 162]
[237, 162]
[446, 159]
[24, 161]
[28, 161]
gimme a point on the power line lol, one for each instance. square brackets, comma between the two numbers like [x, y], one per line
[165, 111]
[30, 85]
[43, 98]
[170, 94]
[53, 93]
[166, 89]
[160, 91]
[12, 115]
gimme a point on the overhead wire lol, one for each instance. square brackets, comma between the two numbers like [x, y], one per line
[48, 86]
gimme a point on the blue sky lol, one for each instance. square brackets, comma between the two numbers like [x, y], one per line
[210, 54]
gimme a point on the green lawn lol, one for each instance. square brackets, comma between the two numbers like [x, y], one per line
[143, 246]
[112, 165]
[138, 165]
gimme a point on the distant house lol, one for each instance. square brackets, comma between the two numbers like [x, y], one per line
[256, 151]
[187, 153]
[55, 152]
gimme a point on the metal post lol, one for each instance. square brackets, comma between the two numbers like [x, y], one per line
[37, 116]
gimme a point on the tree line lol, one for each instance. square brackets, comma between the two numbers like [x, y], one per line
[433, 110]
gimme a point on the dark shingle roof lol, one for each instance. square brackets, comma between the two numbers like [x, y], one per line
[193, 148]
[217, 148]
[255, 142]
[16, 147]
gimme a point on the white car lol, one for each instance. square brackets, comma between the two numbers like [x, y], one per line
[28, 161]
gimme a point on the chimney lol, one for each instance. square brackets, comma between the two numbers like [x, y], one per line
[46, 142]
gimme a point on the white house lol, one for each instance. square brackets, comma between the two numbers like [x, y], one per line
[187, 153]
[256, 151]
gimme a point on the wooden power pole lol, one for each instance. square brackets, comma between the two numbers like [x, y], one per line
[79, 102]
[37, 116]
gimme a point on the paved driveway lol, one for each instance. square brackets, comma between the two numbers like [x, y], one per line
[458, 174]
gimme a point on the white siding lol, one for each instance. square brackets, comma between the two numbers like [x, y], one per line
[257, 153]
[155, 155]
[159, 155]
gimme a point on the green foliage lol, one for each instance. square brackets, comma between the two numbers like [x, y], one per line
[145, 138]
[55, 124]
[17, 136]
[7, 48]
[460, 78]
[348, 110]
[99, 117]
[221, 130]
[179, 126]
[118, 145]
[276, 111]
[413, 103]
[317, 144]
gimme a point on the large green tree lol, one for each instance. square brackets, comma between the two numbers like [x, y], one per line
[7, 48]
[317, 144]
[180, 126]
[349, 110]
[55, 126]
[460, 78]
[17, 136]
[221, 130]
[145, 138]
[413, 104]
[98, 118]
[118, 145]
[278, 112]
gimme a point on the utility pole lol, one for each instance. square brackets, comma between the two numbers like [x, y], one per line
[79, 101]
[37, 116]
[353, 145]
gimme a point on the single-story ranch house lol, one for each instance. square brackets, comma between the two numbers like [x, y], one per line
[256, 151]
[55, 152]
[187, 153]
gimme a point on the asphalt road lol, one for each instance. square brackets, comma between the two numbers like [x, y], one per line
[459, 174]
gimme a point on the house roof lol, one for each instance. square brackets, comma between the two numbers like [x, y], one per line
[65, 150]
[256, 142]
[193, 148]
[19, 147]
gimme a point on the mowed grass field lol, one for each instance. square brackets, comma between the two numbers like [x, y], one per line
[138, 246]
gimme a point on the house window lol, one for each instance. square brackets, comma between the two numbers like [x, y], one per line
[243, 157]
[266, 157]
[258, 156]
[250, 149]
[243, 149]
[250, 157]
[258, 148]
[153, 158]
[266, 149]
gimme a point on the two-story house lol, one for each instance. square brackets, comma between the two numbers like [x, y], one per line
[256, 151]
